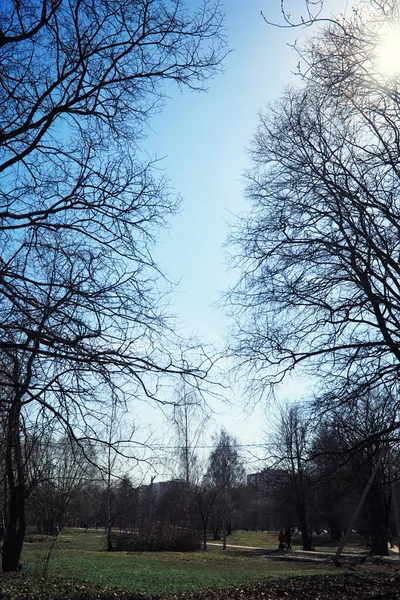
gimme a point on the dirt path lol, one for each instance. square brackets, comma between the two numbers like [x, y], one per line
[314, 555]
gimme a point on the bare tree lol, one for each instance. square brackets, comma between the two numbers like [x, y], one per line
[362, 430]
[333, 474]
[81, 314]
[118, 452]
[319, 252]
[189, 419]
[289, 480]
[311, 12]
[225, 472]
[59, 472]
[205, 494]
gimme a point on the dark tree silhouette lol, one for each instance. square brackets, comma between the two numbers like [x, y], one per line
[225, 472]
[205, 495]
[81, 314]
[319, 252]
[351, 441]
[289, 481]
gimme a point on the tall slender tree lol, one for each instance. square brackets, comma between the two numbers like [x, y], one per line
[225, 472]
[289, 481]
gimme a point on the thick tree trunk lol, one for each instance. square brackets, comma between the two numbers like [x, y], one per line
[379, 541]
[14, 537]
[306, 538]
[379, 508]
[305, 534]
[335, 528]
[300, 507]
[15, 469]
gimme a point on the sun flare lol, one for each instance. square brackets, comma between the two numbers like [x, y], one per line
[388, 51]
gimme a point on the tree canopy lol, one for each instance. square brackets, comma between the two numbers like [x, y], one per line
[319, 252]
[83, 321]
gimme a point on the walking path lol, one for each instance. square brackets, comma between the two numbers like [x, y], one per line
[306, 554]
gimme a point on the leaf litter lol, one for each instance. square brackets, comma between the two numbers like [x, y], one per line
[378, 585]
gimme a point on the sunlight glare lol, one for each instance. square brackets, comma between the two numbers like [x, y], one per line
[388, 51]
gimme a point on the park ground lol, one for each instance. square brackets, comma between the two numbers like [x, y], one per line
[80, 569]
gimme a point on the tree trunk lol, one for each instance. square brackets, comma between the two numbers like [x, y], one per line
[379, 519]
[300, 506]
[14, 536]
[306, 538]
[109, 515]
[305, 534]
[205, 535]
[335, 528]
[110, 546]
[224, 532]
[379, 541]
[15, 469]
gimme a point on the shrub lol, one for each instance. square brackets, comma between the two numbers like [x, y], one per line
[158, 537]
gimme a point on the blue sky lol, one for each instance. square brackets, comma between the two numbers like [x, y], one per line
[204, 139]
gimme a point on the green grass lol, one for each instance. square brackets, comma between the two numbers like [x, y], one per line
[255, 539]
[269, 540]
[261, 539]
[80, 556]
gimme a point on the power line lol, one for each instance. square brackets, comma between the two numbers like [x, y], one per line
[167, 447]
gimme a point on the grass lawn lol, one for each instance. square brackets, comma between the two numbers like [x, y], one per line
[269, 540]
[255, 539]
[80, 556]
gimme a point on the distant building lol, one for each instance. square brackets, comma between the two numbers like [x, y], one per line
[160, 488]
[265, 509]
[267, 479]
